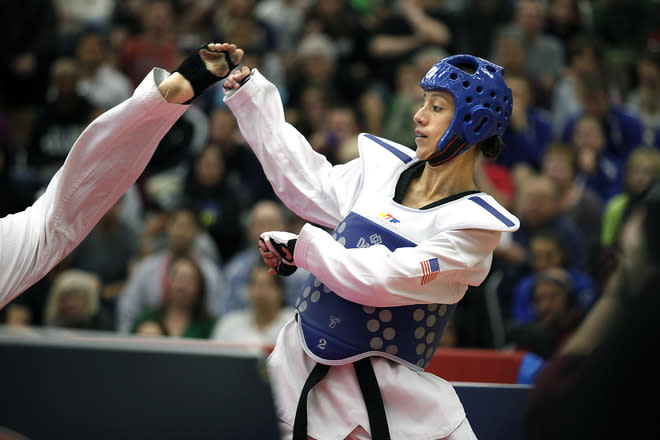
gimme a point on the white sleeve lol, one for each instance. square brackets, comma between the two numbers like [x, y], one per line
[302, 178]
[104, 162]
[376, 276]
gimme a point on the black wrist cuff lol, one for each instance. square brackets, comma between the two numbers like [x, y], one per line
[194, 70]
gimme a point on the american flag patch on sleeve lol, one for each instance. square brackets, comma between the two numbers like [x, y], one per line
[430, 270]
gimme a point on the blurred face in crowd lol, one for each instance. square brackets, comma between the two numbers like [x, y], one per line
[588, 135]
[550, 301]
[545, 253]
[65, 75]
[643, 168]
[594, 100]
[73, 304]
[184, 283]
[530, 17]
[265, 216]
[222, 127]
[522, 94]
[648, 73]
[343, 123]
[510, 54]
[90, 51]
[209, 166]
[181, 231]
[559, 165]
[539, 200]
[265, 290]
[432, 121]
[158, 16]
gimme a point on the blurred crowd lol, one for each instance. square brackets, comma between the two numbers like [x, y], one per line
[177, 256]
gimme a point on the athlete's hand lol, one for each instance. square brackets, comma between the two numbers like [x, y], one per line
[277, 248]
[236, 79]
[211, 63]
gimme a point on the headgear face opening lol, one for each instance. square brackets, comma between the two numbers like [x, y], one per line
[483, 103]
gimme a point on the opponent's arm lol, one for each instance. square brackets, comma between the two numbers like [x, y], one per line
[103, 163]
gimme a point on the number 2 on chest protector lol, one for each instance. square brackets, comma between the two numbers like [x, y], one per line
[322, 343]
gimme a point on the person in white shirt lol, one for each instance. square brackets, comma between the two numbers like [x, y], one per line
[410, 233]
[258, 325]
[104, 162]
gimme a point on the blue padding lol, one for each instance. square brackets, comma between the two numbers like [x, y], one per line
[404, 157]
[481, 202]
[530, 366]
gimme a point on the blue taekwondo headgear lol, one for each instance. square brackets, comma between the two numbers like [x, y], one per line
[483, 103]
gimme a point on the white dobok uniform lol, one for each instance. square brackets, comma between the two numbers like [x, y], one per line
[457, 237]
[104, 162]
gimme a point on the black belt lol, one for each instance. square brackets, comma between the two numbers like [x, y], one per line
[370, 392]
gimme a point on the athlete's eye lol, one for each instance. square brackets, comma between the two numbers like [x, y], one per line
[437, 108]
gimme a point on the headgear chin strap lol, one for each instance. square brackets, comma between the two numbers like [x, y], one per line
[483, 103]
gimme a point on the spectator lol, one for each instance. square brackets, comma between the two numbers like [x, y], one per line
[260, 323]
[544, 53]
[316, 65]
[265, 215]
[147, 285]
[341, 22]
[75, 16]
[59, 121]
[566, 19]
[337, 139]
[16, 195]
[402, 104]
[165, 174]
[598, 169]
[29, 47]
[286, 18]
[556, 318]
[416, 26]
[585, 60]
[602, 376]
[580, 204]
[624, 26]
[644, 99]
[183, 312]
[216, 199]
[107, 252]
[155, 43]
[28, 308]
[486, 15]
[101, 83]
[529, 131]
[642, 169]
[548, 251]
[538, 207]
[155, 233]
[623, 130]
[73, 302]
[240, 163]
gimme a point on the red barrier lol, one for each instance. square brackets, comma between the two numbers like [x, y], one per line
[476, 365]
[472, 364]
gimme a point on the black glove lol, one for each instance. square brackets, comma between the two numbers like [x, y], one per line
[283, 245]
[195, 71]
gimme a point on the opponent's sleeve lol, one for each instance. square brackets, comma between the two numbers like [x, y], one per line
[103, 163]
[302, 178]
[438, 270]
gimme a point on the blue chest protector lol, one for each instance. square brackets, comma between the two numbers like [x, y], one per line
[337, 331]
